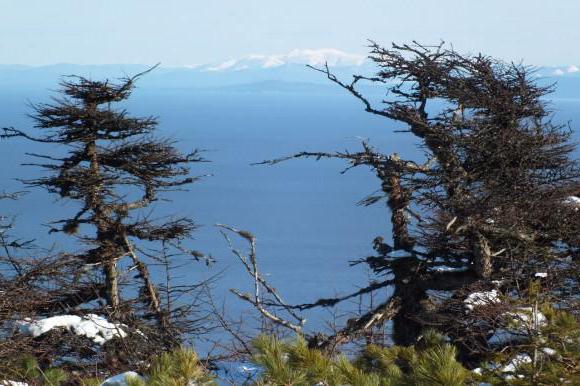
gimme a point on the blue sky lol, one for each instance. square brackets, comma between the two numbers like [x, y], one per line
[185, 32]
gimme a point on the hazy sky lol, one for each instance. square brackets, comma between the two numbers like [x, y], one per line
[178, 32]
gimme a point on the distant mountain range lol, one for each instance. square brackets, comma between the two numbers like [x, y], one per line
[330, 56]
[253, 73]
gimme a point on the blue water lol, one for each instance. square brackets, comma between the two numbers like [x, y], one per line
[303, 212]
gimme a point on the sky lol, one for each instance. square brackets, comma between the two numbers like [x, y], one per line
[189, 32]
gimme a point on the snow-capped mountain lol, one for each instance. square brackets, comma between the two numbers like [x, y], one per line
[257, 71]
[313, 57]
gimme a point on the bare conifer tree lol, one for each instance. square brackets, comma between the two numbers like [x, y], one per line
[114, 168]
[492, 200]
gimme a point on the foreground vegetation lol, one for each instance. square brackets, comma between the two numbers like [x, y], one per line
[432, 361]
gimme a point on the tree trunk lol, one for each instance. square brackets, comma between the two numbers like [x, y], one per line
[482, 257]
[397, 203]
[112, 284]
[94, 202]
[408, 288]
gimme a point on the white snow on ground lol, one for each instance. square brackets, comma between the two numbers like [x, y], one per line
[446, 268]
[94, 327]
[573, 201]
[528, 317]
[477, 299]
[518, 360]
[524, 319]
[121, 379]
[12, 383]
[541, 274]
[549, 351]
[510, 368]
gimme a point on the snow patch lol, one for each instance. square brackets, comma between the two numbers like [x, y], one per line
[549, 351]
[529, 317]
[446, 268]
[478, 299]
[94, 327]
[573, 201]
[121, 379]
[541, 274]
[524, 320]
[13, 383]
[516, 362]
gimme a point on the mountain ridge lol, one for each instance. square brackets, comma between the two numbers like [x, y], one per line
[252, 73]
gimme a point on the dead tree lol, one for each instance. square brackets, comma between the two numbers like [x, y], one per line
[113, 170]
[491, 201]
[265, 297]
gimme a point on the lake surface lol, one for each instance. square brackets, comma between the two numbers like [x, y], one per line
[303, 212]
